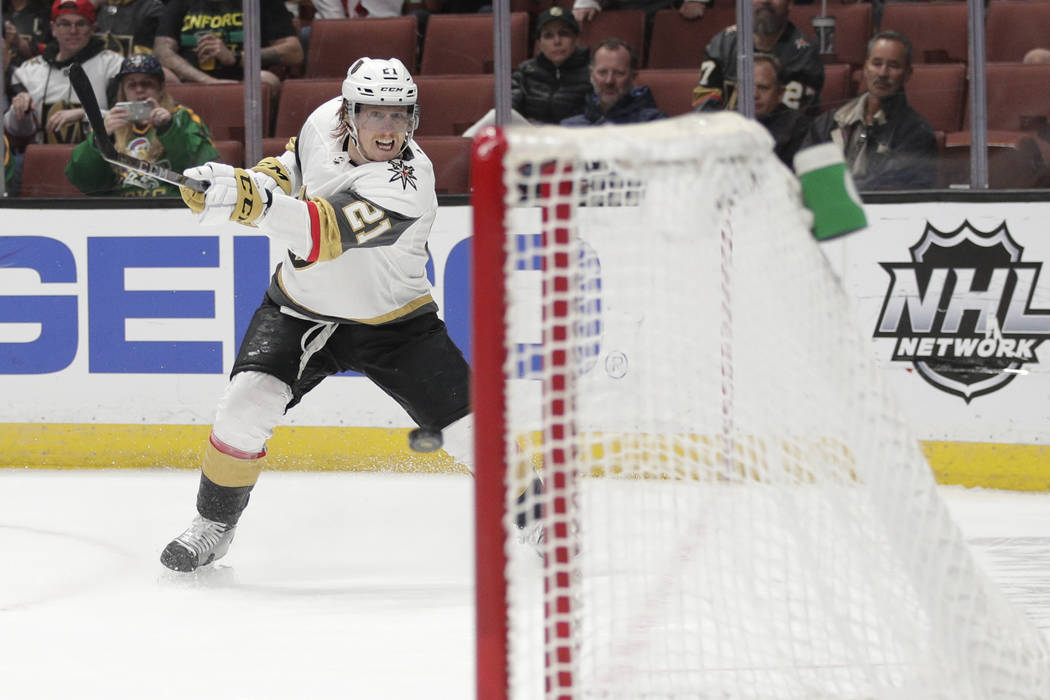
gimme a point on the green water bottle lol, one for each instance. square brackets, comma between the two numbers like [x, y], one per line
[828, 191]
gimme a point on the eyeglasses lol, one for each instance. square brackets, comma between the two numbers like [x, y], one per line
[67, 25]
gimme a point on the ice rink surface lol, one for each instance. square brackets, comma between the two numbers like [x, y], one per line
[337, 585]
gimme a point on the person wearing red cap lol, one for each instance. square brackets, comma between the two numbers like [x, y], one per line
[44, 107]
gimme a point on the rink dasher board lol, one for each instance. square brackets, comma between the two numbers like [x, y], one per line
[109, 388]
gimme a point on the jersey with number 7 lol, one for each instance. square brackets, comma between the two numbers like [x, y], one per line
[803, 70]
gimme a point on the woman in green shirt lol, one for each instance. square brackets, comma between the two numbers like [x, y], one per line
[151, 128]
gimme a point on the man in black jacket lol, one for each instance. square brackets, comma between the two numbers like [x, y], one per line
[553, 85]
[787, 126]
[614, 98]
[887, 144]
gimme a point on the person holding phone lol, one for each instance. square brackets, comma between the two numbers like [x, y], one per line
[147, 124]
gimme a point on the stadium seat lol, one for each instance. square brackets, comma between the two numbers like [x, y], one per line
[627, 25]
[450, 104]
[462, 44]
[451, 158]
[231, 152]
[853, 28]
[838, 88]
[274, 146]
[937, 30]
[1017, 96]
[937, 91]
[336, 43]
[1014, 161]
[672, 89]
[220, 107]
[298, 99]
[1012, 27]
[44, 171]
[677, 42]
[535, 7]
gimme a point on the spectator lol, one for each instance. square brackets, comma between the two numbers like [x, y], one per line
[586, 10]
[1037, 56]
[171, 135]
[349, 9]
[9, 169]
[887, 144]
[787, 126]
[553, 85]
[614, 99]
[802, 67]
[202, 41]
[26, 28]
[129, 26]
[44, 106]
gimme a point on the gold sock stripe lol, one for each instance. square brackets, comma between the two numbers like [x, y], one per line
[225, 470]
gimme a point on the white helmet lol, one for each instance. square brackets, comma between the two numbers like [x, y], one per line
[377, 81]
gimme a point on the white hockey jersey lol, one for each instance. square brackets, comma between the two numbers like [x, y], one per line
[51, 90]
[363, 255]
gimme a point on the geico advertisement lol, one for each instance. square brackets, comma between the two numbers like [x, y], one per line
[135, 316]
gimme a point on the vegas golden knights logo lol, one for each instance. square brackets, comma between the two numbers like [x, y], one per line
[71, 132]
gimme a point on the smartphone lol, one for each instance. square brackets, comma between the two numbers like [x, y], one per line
[138, 111]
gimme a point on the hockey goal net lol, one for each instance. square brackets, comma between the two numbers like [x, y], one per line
[732, 505]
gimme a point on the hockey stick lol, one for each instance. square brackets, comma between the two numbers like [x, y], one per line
[82, 86]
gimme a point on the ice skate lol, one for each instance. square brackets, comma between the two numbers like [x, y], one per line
[203, 542]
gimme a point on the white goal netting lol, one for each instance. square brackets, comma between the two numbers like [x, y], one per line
[734, 507]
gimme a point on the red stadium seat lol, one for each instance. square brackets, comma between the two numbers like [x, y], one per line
[336, 43]
[231, 152]
[462, 44]
[672, 89]
[679, 43]
[1014, 161]
[1017, 96]
[451, 158]
[853, 28]
[937, 30]
[838, 86]
[626, 25]
[220, 107]
[937, 91]
[44, 171]
[1012, 27]
[298, 99]
[450, 104]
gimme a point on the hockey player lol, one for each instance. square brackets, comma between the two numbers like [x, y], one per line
[353, 201]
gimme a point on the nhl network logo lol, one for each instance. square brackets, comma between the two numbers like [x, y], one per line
[961, 313]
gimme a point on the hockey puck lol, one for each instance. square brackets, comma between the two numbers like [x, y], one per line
[423, 440]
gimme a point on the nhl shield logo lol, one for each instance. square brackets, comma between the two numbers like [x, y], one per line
[961, 310]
